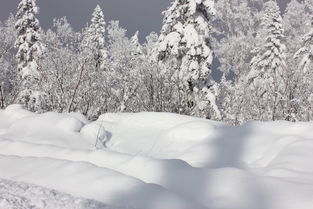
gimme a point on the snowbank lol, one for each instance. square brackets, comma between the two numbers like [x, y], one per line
[160, 160]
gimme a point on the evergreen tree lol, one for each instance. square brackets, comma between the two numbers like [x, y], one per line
[268, 68]
[185, 43]
[94, 38]
[135, 41]
[29, 50]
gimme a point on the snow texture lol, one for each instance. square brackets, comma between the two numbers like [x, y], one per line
[16, 195]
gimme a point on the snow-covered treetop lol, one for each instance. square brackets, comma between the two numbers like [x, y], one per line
[180, 18]
[272, 18]
[28, 41]
[94, 37]
[27, 6]
[271, 58]
[96, 30]
[274, 49]
[185, 33]
[186, 39]
[135, 41]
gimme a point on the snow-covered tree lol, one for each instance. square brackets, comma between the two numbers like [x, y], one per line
[235, 27]
[122, 78]
[305, 68]
[93, 51]
[185, 47]
[135, 41]
[60, 63]
[94, 38]
[69, 71]
[8, 75]
[295, 22]
[266, 79]
[296, 25]
[29, 50]
[306, 51]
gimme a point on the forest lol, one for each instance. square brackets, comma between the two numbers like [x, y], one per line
[264, 56]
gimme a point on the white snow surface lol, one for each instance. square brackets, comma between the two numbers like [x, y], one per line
[152, 161]
[17, 195]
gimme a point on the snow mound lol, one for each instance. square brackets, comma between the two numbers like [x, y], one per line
[16, 112]
[70, 124]
[79, 117]
[191, 131]
[49, 128]
[149, 119]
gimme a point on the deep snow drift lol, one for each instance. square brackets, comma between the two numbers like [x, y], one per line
[155, 161]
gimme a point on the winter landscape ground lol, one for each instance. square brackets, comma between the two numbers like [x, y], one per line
[152, 161]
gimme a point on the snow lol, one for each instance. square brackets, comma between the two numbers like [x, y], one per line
[17, 195]
[70, 124]
[95, 133]
[152, 161]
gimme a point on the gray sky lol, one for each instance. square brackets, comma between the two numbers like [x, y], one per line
[142, 15]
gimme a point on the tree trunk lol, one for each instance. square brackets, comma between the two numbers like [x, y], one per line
[1, 98]
[76, 88]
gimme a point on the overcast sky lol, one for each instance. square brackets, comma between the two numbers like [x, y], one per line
[142, 15]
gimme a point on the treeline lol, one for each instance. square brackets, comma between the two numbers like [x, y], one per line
[266, 61]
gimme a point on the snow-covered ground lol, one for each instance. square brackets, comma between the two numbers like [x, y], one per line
[17, 195]
[152, 161]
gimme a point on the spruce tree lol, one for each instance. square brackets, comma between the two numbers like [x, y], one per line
[135, 41]
[94, 38]
[29, 50]
[268, 68]
[185, 41]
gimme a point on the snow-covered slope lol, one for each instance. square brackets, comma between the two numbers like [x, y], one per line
[160, 160]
